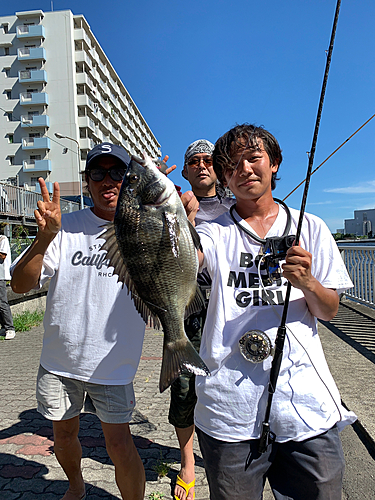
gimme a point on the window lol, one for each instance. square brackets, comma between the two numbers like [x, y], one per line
[5, 28]
[9, 116]
[34, 134]
[10, 138]
[34, 158]
[83, 155]
[7, 72]
[8, 94]
[34, 181]
[6, 51]
[11, 160]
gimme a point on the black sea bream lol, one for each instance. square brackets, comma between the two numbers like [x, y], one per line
[153, 249]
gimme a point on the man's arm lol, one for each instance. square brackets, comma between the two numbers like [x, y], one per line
[322, 302]
[191, 206]
[27, 271]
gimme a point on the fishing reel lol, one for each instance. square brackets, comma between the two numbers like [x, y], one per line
[274, 251]
[256, 346]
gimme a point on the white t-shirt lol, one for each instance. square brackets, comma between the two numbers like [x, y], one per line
[92, 329]
[5, 265]
[232, 401]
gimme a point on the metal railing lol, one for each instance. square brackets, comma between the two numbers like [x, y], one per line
[20, 203]
[360, 263]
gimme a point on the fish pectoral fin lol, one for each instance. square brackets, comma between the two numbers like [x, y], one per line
[172, 227]
[147, 316]
[120, 269]
[196, 305]
[195, 236]
[113, 254]
[178, 359]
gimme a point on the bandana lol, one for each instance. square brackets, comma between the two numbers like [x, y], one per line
[199, 146]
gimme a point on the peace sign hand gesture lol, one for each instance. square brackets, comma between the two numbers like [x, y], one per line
[48, 214]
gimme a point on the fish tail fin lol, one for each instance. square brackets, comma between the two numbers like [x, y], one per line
[179, 357]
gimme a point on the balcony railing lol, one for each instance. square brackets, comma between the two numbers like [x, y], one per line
[29, 98]
[34, 121]
[36, 143]
[31, 54]
[30, 31]
[33, 75]
[360, 263]
[36, 166]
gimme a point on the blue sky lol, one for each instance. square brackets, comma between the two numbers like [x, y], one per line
[197, 68]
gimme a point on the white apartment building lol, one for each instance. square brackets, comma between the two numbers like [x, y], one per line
[56, 78]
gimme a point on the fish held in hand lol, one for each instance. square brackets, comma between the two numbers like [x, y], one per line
[153, 249]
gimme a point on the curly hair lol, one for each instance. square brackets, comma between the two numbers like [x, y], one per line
[230, 143]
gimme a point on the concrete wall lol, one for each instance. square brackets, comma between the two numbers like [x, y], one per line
[30, 301]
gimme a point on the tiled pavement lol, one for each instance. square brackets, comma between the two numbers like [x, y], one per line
[28, 468]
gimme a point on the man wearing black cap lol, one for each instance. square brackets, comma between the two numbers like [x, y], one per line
[88, 359]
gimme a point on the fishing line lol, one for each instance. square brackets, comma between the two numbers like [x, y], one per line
[267, 437]
[269, 300]
[330, 156]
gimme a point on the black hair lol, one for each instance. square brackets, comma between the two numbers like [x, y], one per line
[228, 144]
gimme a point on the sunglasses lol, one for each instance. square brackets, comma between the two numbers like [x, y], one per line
[195, 162]
[98, 174]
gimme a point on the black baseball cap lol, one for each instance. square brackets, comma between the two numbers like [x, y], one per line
[107, 149]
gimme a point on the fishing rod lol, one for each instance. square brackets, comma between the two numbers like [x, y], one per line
[267, 436]
[330, 156]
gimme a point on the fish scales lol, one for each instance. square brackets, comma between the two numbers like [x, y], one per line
[159, 261]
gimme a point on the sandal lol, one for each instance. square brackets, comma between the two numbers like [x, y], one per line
[185, 486]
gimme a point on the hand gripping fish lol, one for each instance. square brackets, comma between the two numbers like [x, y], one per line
[153, 249]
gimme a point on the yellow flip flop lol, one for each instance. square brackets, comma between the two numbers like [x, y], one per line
[185, 486]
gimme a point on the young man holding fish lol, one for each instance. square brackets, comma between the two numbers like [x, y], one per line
[304, 458]
[88, 358]
[198, 170]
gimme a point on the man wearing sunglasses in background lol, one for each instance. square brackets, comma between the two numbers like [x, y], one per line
[88, 358]
[198, 170]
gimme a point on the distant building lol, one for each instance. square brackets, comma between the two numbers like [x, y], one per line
[55, 77]
[363, 223]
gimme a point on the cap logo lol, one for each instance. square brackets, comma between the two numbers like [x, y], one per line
[106, 148]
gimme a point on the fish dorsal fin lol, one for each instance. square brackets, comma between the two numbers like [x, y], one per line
[119, 268]
[173, 229]
[196, 305]
[195, 236]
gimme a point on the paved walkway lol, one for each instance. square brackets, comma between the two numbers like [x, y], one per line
[29, 470]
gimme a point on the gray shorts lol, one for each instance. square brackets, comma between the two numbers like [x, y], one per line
[311, 469]
[62, 398]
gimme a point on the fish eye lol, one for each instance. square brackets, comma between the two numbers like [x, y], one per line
[133, 178]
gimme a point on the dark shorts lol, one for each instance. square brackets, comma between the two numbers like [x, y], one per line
[307, 470]
[183, 397]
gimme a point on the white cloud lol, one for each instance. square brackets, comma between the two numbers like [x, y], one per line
[329, 202]
[366, 187]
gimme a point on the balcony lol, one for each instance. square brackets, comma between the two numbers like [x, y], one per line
[35, 143]
[80, 34]
[35, 121]
[31, 98]
[83, 78]
[31, 54]
[84, 100]
[6, 39]
[32, 76]
[36, 166]
[81, 56]
[86, 144]
[86, 122]
[31, 31]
